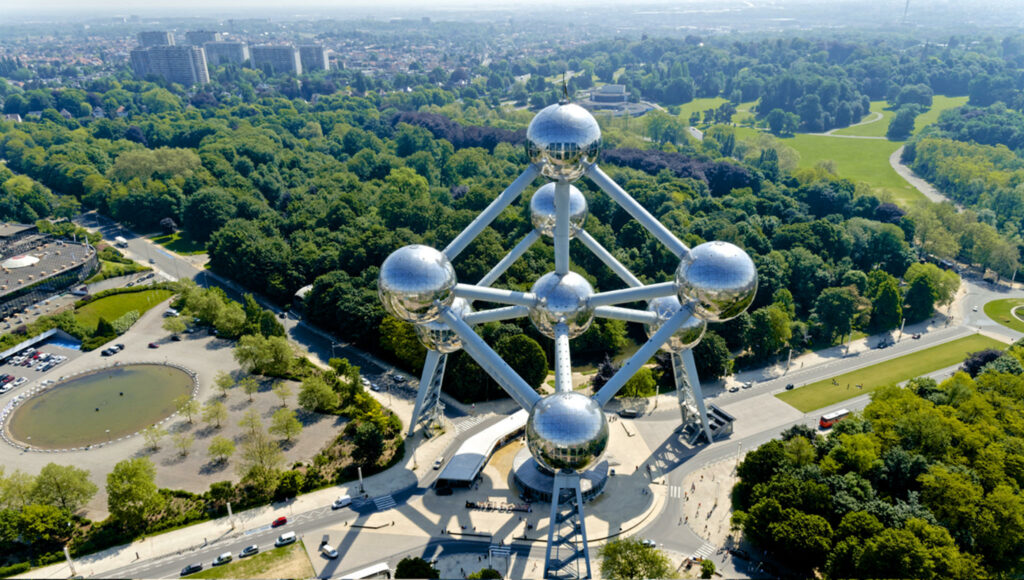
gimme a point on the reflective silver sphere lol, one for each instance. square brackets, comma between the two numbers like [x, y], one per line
[415, 283]
[720, 277]
[562, 299]
[688, 335]
[567, 431]
[563, 138]
[542, 210]
[437, 335]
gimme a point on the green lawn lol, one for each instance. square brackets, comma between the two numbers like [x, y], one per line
[115, 269]
[940, 103]
[699, 106]
[875, 129]
[287, 562]
[113, 307]
[179, 244]
[823, 393]
[999, 310]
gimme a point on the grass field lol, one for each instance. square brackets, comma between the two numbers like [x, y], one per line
[115, 269]
[824, 393]
[940, 103]
[999, 310]
[180, 244]
[699, 106]
[113, 307]
[288, 562]
[875, 129]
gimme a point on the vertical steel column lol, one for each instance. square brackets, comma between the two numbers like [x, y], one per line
[429, 394]
[562, 227]
[563, 364]
[563, 529]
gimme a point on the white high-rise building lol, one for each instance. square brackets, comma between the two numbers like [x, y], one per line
[276, 58]
[218, 53]
[184, 65]
[201, 37]
[314, 57]
[148, 38]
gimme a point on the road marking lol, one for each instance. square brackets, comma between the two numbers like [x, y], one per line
[468, 423]
[704, 551]
[675, 491]
[384, 503]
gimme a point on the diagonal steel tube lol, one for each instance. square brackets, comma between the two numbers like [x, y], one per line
[630, 294]
[641, 356]
[509, 259]
[499, 370]
[633, 207]
[492, 211]
[609, 260]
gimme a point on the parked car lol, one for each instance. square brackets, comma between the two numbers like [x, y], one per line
[790, 387]
[748, 384]
[649, 543]
[191, 569]
[399, 379]
[329, 551]
[439, 462]
[249, 551]
[285, 539]
[279, 522]
[734, 389]
[223, 559]
[916, 335]
[154, 345]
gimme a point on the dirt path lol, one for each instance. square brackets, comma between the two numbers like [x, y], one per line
[919, 184]
[873, 118]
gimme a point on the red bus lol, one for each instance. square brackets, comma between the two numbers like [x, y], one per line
[829, 419]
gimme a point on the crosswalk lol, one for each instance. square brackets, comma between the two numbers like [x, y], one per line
[704, 551]
[468, 423]
[384, 502]
[675, 491]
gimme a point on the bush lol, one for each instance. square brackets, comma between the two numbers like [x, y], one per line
[125, 321]
[14, 569]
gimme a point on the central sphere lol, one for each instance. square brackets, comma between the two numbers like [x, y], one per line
[721, 277]
[688, 335]
[562, 298]
[437, 335]
[563, 139]
[567, 431]
[542, 210]
[415, 283]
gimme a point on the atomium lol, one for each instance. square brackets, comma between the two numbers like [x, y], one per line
[720, 277]
[563, 139]
[437, 335]
[562, 299]
[415, 283]
[567, 431]
[688, 335]
[542, 210]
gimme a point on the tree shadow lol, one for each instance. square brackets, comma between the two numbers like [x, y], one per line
[205, 432]
[175, 458]
[240, 405]
[212, 467]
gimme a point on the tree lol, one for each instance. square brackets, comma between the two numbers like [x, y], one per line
[262, 355]
[369, 442]
[132, 495]
[223, 381]
[902, 125]
[886, 306]
[836, 310]
[16, 490]
[976, 361]
[187, 406]
[221, 448]
[251, 422]
[629, 558]
[153, 434]
[316, 395]
[215, 412]
[606, 369]
[183, 441]
[525, 356]
[769, 331]
[641, 384]
[410, 567]
[261, 460]
[285, 423]
[712, 357]
[283, 391]
[43, 524]
[485, 573]
[250, 386]
[174, 324]
[920, 299]
[64, 486]
[707, 568]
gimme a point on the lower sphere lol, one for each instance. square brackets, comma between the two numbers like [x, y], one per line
[567, 431]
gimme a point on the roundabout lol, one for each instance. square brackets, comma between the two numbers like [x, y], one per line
[97, 406]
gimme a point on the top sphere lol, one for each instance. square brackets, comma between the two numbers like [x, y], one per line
[567, 431]
[415, 283]
[720, 277]
[563, 139]
[542, 210]
[688, 335]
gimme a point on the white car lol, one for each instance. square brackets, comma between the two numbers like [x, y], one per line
[365, 381]
[341, 502]
[19, 381]
[223, 559]
[329, 551]
[975, 308]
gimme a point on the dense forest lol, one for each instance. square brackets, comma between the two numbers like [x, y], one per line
[925, 483]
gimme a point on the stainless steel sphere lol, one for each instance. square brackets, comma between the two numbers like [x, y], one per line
[562, 299]
[415, 283]
[542, 210]
[437, 335]
[567, 431]
[720, 277]
[563, 139]
[688, 335]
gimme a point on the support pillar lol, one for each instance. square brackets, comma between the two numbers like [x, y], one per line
[689, 392]
[428, 399]
[567, 533]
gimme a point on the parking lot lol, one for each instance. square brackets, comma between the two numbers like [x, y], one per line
[34, 363]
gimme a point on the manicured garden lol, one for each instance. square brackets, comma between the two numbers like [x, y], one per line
[855, 383]
[1002, 312]
[113, 307]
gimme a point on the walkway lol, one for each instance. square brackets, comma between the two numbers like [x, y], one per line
[919, 184]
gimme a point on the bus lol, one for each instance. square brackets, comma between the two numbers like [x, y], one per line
[381, 570]
[829, 419]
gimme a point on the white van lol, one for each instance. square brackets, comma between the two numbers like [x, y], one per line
[285, 539]
[329, 551]
[341, 502]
